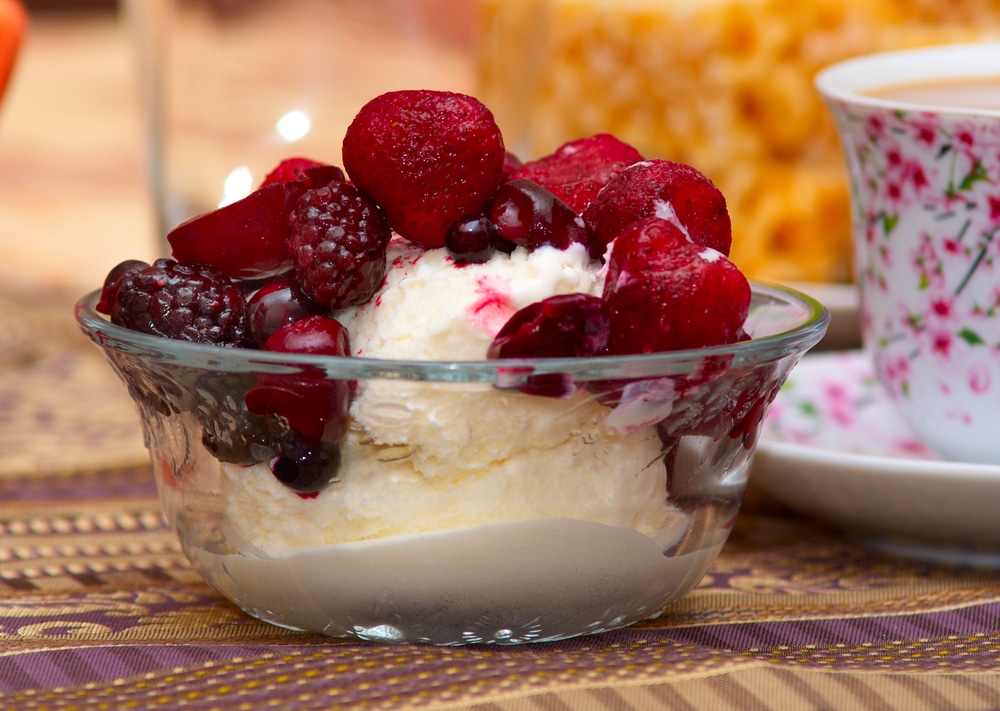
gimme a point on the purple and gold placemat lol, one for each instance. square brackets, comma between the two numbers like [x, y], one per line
[99, 609]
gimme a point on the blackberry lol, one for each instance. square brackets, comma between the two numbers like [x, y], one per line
[186, 302]
[338, 240]
[113, 283]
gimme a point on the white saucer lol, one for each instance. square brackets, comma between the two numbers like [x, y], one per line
[834, 449]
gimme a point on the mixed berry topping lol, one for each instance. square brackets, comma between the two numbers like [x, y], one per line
[272, 270]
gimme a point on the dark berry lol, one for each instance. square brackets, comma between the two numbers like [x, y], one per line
[245, 239]
[561, 326]
[304, 467]
[338, 240]
[186, 302]
[229, 431]
[472, 240]
[113, 282]
[277, 304]
[312, 404]
[530, 216]
[314, 335]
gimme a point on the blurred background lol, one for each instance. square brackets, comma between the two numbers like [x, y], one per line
[724, 85]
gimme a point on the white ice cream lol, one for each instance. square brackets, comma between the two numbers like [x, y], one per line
[429, 457]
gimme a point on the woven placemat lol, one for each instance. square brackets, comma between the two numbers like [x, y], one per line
[62, 408]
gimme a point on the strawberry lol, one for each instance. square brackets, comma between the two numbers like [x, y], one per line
[666, 293]
[672, 191]
[245, 239]
[427, 158]
[13, 25]
[578, 170]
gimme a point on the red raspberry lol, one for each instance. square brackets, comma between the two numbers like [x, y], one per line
[338, 240]
[667, 293]
[672, 191]
[426, 158]
[186, 302]
[578, 170]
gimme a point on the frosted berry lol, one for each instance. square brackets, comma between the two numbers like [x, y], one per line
[187, 302]
[530, 216]
[666, 293]
[338, 241]
[426, 158]
[672, 191]
[578, 170]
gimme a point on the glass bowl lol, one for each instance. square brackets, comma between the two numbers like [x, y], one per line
[457, 503]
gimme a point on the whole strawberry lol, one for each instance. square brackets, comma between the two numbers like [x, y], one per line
[427, 158]
[673, 191]
[667, 293]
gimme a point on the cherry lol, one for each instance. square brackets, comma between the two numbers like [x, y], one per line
[530, 216]
[562, 326]
[312, 404]
[277, 304]
[472, 240]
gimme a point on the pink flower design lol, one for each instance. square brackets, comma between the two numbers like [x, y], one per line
[941, 343]
[979, 378]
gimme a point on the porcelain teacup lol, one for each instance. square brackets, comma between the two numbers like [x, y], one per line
[920, 130]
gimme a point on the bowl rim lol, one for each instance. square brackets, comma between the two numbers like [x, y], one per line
[796, 339]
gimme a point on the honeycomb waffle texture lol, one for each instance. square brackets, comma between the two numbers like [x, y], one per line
[725, 85]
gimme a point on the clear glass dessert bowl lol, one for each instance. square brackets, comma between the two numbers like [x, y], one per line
[457, 502]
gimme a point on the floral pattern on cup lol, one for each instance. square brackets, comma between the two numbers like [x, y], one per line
[832, 401]
[926, 195]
